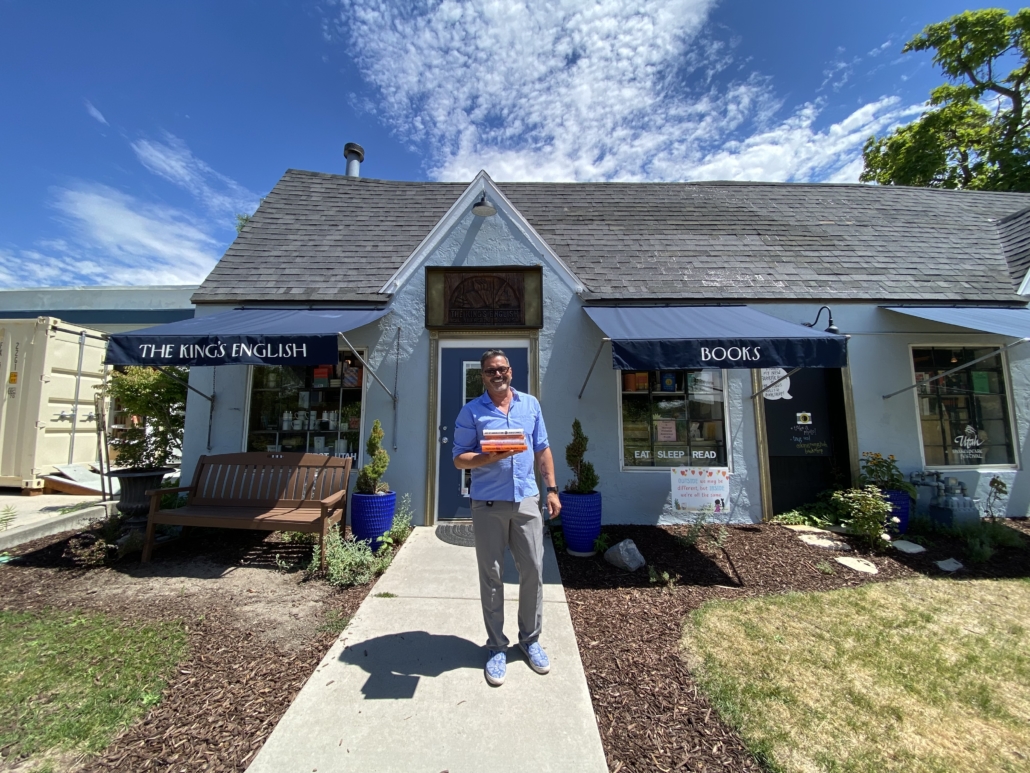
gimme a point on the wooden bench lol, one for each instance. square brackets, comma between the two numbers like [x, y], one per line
[267, 491]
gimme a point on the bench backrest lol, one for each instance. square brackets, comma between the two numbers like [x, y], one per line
[268, 479]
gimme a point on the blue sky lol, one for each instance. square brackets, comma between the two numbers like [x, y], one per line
[132, 132]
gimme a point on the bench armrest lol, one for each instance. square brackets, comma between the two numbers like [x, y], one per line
[329, 504]
[152, 492]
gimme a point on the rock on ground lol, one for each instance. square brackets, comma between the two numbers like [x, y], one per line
[625, 556]
[823, 542]
[858, 564]
[908, 547]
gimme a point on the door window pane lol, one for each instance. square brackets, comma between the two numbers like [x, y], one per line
[964, 416]
[673, 418]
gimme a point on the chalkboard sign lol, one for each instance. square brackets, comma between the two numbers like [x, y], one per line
[797, 418]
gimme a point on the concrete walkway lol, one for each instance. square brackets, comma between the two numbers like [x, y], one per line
[40, 516]
[403, 688]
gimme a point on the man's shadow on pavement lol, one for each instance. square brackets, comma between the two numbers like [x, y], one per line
[396, 662]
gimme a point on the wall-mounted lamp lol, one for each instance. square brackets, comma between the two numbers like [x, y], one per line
[483, 208]
[831, 328]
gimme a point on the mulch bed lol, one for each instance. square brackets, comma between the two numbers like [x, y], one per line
[234, 684]
[650, 712]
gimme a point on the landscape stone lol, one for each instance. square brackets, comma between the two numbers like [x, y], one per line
[812, 529]
[858, 564]
[949, 565]
[823, 542]
[625, 555]
[908, 547]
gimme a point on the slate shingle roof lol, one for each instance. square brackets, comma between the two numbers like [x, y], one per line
[1014, 231]
[320, 237]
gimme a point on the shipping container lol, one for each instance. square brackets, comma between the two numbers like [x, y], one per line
[50, 372]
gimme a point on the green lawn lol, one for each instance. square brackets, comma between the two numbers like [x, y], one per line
[920, 676]
[70, 681]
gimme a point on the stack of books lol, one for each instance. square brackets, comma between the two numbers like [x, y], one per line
[499, 440]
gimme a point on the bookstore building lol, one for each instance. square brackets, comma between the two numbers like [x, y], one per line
[771, 331]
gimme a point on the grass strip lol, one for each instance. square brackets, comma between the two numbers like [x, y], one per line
[921, 676]
[71, 681]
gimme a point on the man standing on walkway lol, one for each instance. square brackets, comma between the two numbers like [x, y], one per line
[506, 508]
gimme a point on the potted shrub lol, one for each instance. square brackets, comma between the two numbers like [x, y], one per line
[580, 503]
[155, 406]
[882, 471]
[372, 504]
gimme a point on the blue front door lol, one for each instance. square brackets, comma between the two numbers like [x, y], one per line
[460, 382]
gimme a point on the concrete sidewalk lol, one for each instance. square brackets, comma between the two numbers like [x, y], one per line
[403, 687]
[40, 516]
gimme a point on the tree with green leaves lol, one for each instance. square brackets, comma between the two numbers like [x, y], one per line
[154, 403]
[975, 134]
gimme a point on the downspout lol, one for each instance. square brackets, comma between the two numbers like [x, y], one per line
[396, 373]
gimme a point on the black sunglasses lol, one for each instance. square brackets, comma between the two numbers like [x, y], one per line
[497, 371]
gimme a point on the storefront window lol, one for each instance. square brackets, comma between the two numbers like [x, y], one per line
[673, 418]
[314, 409]
[964, 417]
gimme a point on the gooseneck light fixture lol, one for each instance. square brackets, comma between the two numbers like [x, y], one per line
[483, 208]
[832, 328]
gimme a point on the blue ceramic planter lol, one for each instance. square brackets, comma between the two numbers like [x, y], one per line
[901, 507]
[371, 516]
[580, 521]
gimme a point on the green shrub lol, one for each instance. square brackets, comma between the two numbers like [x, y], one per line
[825, 511]
[979, 548]
[370, 478]
[585, 480]
[401, 528]
[157, 403]
[348, 561]
[992, 504]
[868, 511]
[882, 471]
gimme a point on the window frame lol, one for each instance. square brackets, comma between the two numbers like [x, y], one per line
[1010, 405]
[359, 461]
[620, 449]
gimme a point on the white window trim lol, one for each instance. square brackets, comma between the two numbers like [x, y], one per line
[665, 470]
[358, 462]
[1010, 405]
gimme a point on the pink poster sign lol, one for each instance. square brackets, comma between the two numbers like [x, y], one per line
[695, 487]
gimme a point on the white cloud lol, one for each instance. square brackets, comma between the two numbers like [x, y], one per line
[114, 238]
[570, 90]
[175, 162]
[95, 114]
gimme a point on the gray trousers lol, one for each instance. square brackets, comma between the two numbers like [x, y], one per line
[520, 527]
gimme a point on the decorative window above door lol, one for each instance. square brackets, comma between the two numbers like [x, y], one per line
[495, 297]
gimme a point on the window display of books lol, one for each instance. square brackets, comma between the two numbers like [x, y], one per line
[312, 409]
[500, 440]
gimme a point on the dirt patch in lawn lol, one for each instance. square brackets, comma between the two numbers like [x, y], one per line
[255, 634]
[650, 712]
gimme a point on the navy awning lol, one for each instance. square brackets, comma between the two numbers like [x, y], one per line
[676, 337]
[1006, 322]
[242, 337]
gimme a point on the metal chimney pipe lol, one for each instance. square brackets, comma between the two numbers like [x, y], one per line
[354, 154]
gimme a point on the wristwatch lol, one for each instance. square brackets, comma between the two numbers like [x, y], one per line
[552, 489]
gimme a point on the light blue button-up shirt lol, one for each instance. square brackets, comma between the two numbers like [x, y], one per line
[511, 479]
